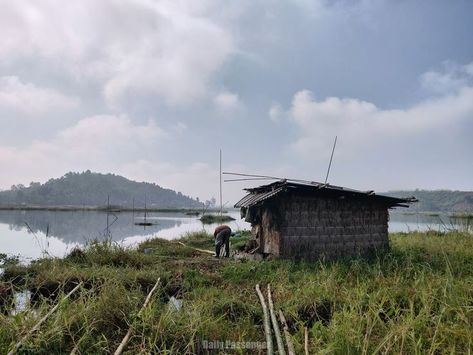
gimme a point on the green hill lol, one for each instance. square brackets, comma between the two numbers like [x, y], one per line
[92, 189]
[438, 200]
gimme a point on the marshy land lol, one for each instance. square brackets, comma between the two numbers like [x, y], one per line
[415, 298]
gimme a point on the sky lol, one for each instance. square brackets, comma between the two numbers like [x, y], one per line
[152, 89]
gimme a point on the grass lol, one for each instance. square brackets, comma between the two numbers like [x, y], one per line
[416, 298]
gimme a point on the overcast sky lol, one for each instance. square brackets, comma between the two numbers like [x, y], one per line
[152, 89]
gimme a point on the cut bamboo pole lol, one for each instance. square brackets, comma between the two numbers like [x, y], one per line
[197, 249]
[306, 341]
[267, 324]
[290, 345]
[127, 336]
[75, 350]
[277, 331]
[42, 320]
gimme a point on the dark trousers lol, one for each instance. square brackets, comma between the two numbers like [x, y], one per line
[223, 238]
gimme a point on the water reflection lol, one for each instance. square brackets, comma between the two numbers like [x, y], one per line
[78, 226]
[34, 234]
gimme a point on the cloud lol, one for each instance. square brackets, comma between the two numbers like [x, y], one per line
[363, 126]
[199, 178]
[451, 78]
[227, 102]
[100, 143]
[276, 112]
[167, 49]
[28, 99]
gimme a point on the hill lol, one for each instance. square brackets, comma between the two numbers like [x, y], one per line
[438, 200]
[92, 189]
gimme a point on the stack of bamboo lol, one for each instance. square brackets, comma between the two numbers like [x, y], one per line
[271, 323]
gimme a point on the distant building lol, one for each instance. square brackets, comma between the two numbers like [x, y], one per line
[311, 220]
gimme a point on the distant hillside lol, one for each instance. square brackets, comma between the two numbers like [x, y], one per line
[438, 200]
[91, 189]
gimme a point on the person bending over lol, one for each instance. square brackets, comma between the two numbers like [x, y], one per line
[222, 236]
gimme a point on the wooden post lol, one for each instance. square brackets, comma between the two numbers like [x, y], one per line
[221, 200]
[108, 213]
[127, 336]
[42, 320]
[290, 345]
[267, 324]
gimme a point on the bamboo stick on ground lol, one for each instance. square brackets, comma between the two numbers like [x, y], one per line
[127, 336]
[267, 324]
[277, 331]
[290, 345]
[306, 341]
[42, 320]
[197, 249]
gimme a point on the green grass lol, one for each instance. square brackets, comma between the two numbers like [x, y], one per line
[415, 299]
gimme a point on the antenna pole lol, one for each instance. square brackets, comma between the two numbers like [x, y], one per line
[220, 175]
[145, 208]
[108, 212]
[331, 157]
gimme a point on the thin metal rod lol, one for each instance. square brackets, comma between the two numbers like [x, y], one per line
[108, 212]
[249, 179]
[220, 176]
[331, 157]
[252, 175]
[145, 209]
[272, 178]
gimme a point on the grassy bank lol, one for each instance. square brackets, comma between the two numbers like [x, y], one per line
[417, 298]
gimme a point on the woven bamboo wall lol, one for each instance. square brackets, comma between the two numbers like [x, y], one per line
[314, 227]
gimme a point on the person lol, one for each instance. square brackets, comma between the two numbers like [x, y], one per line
[222, 236]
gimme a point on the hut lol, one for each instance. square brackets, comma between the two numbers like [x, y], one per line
[308, 220]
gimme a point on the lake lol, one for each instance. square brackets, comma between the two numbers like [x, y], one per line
[32, 234]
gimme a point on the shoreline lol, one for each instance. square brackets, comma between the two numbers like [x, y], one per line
[116, 209]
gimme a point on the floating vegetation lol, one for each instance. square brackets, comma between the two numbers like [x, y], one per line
[462, 216]
[192, 213]
[145, 224]
[214, 218]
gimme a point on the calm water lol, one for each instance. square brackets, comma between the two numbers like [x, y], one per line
[32, 234]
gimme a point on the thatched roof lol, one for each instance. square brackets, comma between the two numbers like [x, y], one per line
[258, 195]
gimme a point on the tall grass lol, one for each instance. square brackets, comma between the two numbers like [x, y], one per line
[416, 298]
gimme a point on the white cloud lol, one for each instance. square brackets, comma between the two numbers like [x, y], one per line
[197, 179]
[31, 100]
[100, 143]
[227, 102]
[363, 126]
[167, 49]
[180, 127]
[276, 112]
[451, 78]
